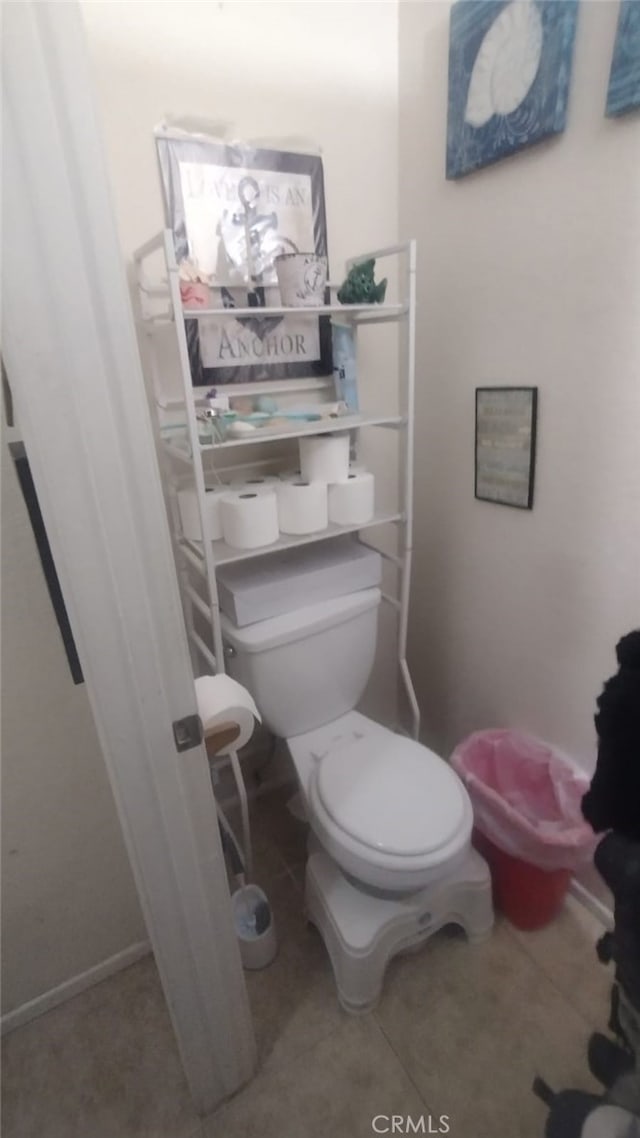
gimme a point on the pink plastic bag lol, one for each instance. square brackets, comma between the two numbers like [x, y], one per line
[526, 798]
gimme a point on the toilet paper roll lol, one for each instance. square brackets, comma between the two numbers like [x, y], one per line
[352, 501]
[223, 702]
[302, 506]
[190, 514]
[325, 458]
[258, 483]
[249, 518]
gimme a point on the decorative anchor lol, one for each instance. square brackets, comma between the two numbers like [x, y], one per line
[256, 225]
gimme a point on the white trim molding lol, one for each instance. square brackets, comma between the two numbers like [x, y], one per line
[590, 902]
[72, 359]
[73, 987]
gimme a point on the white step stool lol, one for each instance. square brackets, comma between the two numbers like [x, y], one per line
[363, 932]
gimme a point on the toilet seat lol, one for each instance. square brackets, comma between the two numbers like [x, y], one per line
[389, 811]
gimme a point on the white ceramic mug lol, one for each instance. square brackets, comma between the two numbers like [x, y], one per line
[302, 279]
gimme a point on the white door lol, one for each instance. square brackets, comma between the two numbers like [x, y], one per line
[69, 347]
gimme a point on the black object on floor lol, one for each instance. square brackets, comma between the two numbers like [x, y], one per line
[568, 1112]
[607, 1061]
[543, 1091]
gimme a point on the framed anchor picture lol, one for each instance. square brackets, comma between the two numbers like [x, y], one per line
[233, 208]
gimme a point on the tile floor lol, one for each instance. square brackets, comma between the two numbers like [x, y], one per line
[459, 1031]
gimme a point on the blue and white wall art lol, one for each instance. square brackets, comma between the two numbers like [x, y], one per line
[624, 81]
[509, 73]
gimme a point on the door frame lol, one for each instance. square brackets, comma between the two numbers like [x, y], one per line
[72, 359]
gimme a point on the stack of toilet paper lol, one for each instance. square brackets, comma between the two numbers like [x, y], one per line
[253, 512]
[324, 460]
[325, 489]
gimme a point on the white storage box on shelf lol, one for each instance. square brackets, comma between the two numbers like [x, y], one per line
[268, 586]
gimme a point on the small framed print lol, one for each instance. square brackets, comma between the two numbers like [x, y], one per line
[505, 447]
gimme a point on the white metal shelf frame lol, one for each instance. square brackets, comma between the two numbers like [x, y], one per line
[226, 554]
[265, 435]
[371, 313]
[204, 557]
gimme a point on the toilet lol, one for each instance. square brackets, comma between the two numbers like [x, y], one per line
[390, 857]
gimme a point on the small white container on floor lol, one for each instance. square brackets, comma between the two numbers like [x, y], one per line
[258, 945]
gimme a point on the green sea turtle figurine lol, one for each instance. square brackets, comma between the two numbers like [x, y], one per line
[360, 286]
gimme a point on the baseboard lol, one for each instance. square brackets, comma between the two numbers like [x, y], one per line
[592, 903]
[73, 987]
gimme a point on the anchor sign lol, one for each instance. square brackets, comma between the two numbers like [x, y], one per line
[249, 234]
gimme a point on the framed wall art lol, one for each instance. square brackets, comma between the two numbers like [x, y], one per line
[505, 447]
[233, 209]
[624, 80]
[509, 74]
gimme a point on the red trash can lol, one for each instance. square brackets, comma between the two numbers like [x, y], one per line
[528, 896]
[528, 821]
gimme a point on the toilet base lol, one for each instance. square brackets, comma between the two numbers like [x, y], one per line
[362, 933]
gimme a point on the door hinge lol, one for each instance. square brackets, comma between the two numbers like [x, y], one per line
[187, 732]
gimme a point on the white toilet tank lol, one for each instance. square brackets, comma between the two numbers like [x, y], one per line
[307, 667]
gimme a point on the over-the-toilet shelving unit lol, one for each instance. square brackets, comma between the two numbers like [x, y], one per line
[189, 460]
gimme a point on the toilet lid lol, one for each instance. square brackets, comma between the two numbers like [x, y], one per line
[399, 797]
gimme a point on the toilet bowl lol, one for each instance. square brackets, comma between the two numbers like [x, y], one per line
[390, 812]
[390, 857]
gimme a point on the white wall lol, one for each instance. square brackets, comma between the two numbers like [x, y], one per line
[316, 70]
[529, 274]
[68, 897]
[322, 71]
